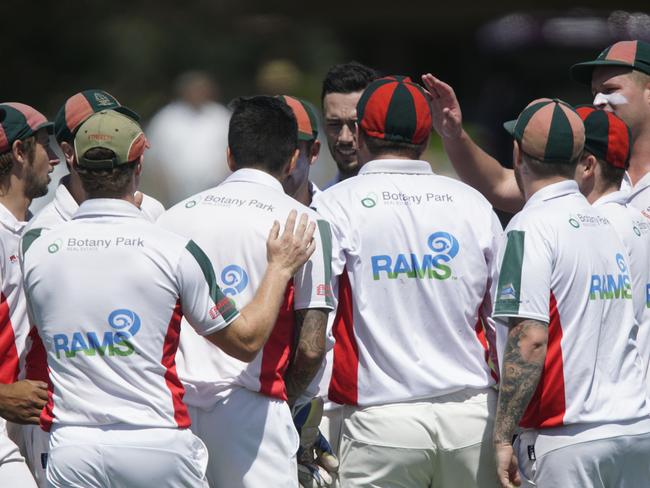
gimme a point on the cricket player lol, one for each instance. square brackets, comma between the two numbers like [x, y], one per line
[416, 260]
[341, 91]
[317, 464]
[620, 80]
[242, 411]
[69, 194]
[26, 159]
[572, 378]
[115, 412]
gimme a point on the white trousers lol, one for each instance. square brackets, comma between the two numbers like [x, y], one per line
[251, 441]
[616, 462]
[434, 443]
[120, 457]
[13, 470]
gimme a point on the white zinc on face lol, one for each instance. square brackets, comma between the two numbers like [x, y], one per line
[601, 100]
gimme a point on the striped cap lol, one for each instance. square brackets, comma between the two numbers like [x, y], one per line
[305, 116]
[629, 54]
[82, 105]
[111, 130]
[549, 130]
[19, 121]
[606, 136]
[395, 109]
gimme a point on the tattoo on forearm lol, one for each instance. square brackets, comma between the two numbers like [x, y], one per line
[522, 369]
[309, 351]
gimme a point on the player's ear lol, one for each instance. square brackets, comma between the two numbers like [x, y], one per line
[516, 153]
[138, 167]
[292, 163]
[68, 151]
[315, 151]
[232, 165]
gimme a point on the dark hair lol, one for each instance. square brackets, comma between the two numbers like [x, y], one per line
[543, 169]
[7, 158]
[378, 147]
[263, 133]
[106, 183]
[347, 78]
[612, 175]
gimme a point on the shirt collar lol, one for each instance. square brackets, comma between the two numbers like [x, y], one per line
[641, 185]
[10, 222]
[404, 166]
[107, 207]
[554, 190]
[64, 202]
[620, 197]
[251, 175]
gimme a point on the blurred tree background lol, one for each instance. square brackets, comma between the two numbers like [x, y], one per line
[497, 56]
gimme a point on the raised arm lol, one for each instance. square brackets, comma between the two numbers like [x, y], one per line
[473, 165]
[523, 363]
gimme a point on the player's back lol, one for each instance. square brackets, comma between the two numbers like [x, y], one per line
[104, 292]
[418, 250]
[576, 266]
[231, 223]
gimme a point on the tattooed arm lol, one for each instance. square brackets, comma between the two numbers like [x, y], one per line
[309, 351]
[523, 361]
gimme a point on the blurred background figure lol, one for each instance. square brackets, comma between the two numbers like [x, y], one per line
[189, 139]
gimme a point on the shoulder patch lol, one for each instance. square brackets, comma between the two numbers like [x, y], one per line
[29, 238]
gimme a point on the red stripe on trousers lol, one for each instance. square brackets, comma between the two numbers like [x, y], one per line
[344, 383]
[170, 347]
[277, 350]
[548, 405]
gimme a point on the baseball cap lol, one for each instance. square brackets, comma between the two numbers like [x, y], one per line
[109, 130]
[395, 109]
[606, 136]
[549, 130]
[19, 121]
[630, 54]
[82, 105]
[305, 116]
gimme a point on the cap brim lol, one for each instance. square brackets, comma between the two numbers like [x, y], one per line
[128, 112]
[49, 126]
[582, 72]
[510, 127]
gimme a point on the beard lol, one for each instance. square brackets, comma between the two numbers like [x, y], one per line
[35, 184]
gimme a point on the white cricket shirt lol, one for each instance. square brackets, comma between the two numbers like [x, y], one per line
[107, 291]
[564, 265]
[639, 194]
[634, 230]
[14, 326]
[231, 223]
[416, 258]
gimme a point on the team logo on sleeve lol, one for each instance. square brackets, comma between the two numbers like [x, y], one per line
[234, 279]
[612, 286]
[444, 247]
[123, 323]
[507, 292]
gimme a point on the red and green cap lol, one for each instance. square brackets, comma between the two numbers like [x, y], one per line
[549, 130]
[606, 136]
[82, 105]
[111, 130]
[18, 122]
[395, 109]
[305, 116]
[627, 54]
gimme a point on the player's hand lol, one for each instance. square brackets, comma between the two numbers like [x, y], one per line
[291, 249]
[317, 464]
[21, 402]
[507, 466]
[445, 109]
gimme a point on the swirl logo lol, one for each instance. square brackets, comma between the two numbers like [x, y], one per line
[190, 204]
[620, 261]
[54, 247]
[126, 322]
[574, 222]
[636, 230]
[444, 245]
[235, 280]
[369, 201]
